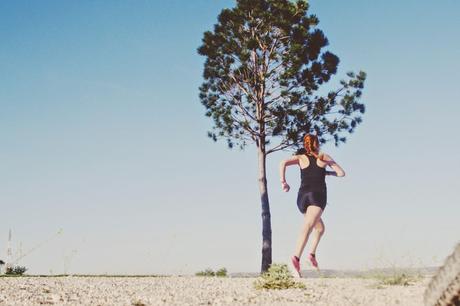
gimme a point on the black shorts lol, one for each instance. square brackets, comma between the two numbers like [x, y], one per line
[306, 198]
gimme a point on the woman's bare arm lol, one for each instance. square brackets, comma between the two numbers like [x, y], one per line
[329, 161]
[294, 160]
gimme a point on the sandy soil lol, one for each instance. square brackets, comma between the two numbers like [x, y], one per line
[175, 290]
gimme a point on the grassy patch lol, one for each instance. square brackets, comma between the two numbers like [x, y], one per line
[392, 276]
[222, 272]
[278, 277]
[397, 279]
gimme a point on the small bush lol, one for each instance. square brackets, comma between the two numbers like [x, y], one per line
[221, 272]
[207, 272]
[278, 276]
[16, 270]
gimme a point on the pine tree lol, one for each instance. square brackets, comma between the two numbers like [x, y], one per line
[265, 64]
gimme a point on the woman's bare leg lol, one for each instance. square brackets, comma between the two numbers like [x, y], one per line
[311, 216]
[316, 235]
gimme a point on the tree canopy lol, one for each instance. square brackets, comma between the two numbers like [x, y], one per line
[265, 63]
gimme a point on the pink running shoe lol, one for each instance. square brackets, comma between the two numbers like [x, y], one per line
[296, 263]
[313, 261]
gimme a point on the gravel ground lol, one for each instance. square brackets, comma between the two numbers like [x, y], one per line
[188, 290]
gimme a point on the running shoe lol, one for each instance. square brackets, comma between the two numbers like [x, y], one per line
[296, 263]
[313, 261]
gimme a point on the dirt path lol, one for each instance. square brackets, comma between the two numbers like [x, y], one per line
[174, 290]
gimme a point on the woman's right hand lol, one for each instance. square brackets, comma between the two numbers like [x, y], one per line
[285, 186]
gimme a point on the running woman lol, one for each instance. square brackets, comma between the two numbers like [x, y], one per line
[312, 195]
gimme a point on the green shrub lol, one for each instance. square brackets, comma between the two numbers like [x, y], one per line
[278, 276]
[207, 272]
[16, 270]
[221, 272]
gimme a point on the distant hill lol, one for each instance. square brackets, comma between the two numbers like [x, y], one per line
[425, 271]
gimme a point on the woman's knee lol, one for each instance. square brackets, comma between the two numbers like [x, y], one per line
[308, 226]
[320, 228]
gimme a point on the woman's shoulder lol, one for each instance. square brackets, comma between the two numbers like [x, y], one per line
[324, 156]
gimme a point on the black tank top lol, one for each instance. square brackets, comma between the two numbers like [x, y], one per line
[313, 177]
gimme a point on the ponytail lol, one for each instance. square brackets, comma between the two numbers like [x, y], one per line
[311, 146]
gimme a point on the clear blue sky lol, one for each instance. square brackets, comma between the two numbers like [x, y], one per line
[103, 136]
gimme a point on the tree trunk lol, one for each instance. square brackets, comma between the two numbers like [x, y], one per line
[266, 222]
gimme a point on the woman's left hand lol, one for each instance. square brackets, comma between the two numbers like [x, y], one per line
[285, 186]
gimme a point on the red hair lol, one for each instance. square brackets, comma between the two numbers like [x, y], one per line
[311, 145]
